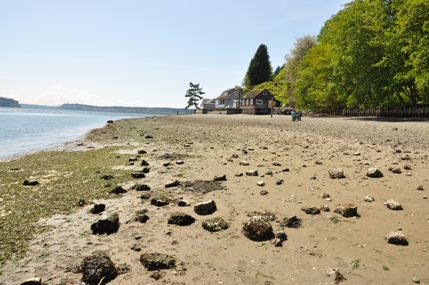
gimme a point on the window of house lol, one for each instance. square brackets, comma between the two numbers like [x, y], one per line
[251, 101]
[259, 102]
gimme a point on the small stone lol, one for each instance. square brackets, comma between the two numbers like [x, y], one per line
[368, 198]
[220, 178]
[32, 281]
[347, 210]
[416, 280]
[420, 188]
[261, 183]
[336, 173]
[205, 208]
[253, 172]
[396, 238]
[30, 182]
[312, 210]
[373, 173]
[393, 205]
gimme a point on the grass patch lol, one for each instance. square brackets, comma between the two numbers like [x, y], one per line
[260, 274]
[385, 268]
[355, 264]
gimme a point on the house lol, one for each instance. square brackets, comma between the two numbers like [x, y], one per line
[229, 99]
[257, 102]
[207, 104]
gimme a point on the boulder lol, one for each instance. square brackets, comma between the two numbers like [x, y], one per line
[157, 261]
[312, 210]
[97, 267]
[144, 163]
[215, 225]
[347, 210]
[336, 173]
[393, 205]
[181, 219]
[374, 172]
[205, 208]
[98, 208]
[396, 238]
[106, 224]
[118, 190]
[257, 228]
[160, 201]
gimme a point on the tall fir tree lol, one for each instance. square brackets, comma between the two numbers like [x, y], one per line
[260, 69]
[194, 93]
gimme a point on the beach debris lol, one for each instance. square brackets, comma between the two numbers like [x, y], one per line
[32, 281]
[205, 208]
[97, 267]
[253, 172]
[335, 275]
[118, 190]
[396, 238]
[97, 208]
[393, 205]
[291, 222]
[336, 173]
[170, 184]
[347, 210]
[215, 225]
[257, 228]
[106, 224]
[160, 201]
[220, 178]
[374, 172]
[30, 182]
[279, 237]
[181, 219]
[312, 210]
[157, 261]
[139, 216]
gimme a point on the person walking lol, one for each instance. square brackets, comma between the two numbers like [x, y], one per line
[293, 115]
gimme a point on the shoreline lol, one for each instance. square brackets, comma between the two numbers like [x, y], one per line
[214, 145]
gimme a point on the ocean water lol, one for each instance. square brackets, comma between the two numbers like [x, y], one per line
[27, 130]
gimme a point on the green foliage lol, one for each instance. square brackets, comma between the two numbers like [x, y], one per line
[355, 264]
[7, 102]
[260, 69]
[385, 268]
[194, 93]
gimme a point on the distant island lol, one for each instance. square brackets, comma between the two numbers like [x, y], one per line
[118, 109]
[9, 103]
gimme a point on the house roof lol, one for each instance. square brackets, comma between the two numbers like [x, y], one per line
[255, 93]
[224, 96]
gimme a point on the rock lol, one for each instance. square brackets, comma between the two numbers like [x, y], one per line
[407, 167]
[180, 162]
[98, 208]
[260, 183]
[180, 219]
[140, 216]
[106, 177]
[279, 182]
[220, 178]
[374, 173]
[141, 151]
[145, 170]
[263, 192]
[157, 261]
[30, 183]
[325, 208]
[347, 210]
[257, 229]
[118, 190]
[312, 210]
[141, 187]
[132, 158]
[145, 196]
[215, 225]
[32, 281]
[138, 175]
[336, 173]
[325, 196]
[291, 222]
[285, 169]
[97, 267]
[253, 172]
[396, 170]
[165, 164]
[393, 205]
[396, 238]
[420, 188]
[170, 184]
[205, 208]
[144, 163]
[335, 275]
[245, 163]
[106, 224]
[183, 203]
[369, 198]
[416, 280]
[160, 201]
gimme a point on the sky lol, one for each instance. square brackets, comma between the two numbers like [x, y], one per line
[143, 53]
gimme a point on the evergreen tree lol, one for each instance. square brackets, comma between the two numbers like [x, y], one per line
[260, 69]
[194, 93]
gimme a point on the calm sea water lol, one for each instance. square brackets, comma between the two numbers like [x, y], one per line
[26, 130]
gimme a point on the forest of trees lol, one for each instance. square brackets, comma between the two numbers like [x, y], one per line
[372, 53]
[7, 102]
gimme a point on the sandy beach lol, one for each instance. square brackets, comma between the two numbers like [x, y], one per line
[213, 158]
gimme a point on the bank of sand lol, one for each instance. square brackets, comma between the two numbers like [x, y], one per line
[214, 145]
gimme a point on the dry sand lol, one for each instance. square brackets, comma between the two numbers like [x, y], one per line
[214, 145]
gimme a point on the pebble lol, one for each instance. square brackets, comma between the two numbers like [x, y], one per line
[416, 280]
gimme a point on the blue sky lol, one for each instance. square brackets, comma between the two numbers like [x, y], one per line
[143, 53]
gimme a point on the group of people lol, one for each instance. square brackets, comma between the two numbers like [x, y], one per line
[296, 116]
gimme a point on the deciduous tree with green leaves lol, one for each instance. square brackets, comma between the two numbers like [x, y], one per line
[194, 93]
